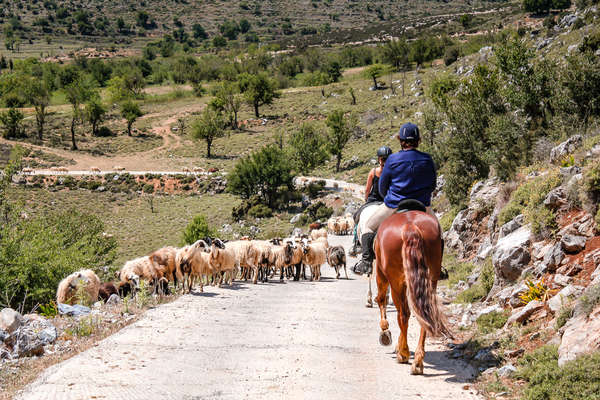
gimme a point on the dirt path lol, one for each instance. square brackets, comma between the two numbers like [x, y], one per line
[154, 159]
[292, 340]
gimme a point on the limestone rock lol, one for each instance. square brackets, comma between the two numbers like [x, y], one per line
[32, 336]
[511, 226]
[573, 244]
[114, 299]
[557, 301]
[10, 320]
[76, 310]
[521, 315]
[562, 280]
[566, 147]
[511, 254]
[553, 257]
[581, 335]
[555, 198]
[507, 370]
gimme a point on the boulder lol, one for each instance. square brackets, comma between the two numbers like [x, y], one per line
[10, 320]
[295, 218]
[489, 310]
[553, 258]
[555, 198]
[570, 269]
[562, 280]
[506, 371]
[76, 310]
[557, 301]
[511, 226]
[566, 147]
[485, 249]
[114, 299]
[572, 243]
[3, 335]
[485, 191]
[581, 335]
[520, 315]
[568, 172]
[511, 254]
[32, 336]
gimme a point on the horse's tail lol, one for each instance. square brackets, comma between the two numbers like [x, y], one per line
[421, 293]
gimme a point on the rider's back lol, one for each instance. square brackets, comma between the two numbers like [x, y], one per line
[408, 174]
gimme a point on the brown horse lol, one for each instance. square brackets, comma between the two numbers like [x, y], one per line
[408, 253]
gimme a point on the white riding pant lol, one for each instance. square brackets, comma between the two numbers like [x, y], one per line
[381, 214]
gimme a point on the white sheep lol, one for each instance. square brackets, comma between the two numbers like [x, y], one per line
[68, 287]
[315, 255]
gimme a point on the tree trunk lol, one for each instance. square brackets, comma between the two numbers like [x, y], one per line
[337, 162]
[208, 146]
[129, 128]
[94, 128]
[256, 110]
[40, 115]
[403, 81]
[235, 124]
[374, 83]
[353, 98]
[73, 145]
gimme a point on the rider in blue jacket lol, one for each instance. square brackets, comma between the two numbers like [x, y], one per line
[407, 174]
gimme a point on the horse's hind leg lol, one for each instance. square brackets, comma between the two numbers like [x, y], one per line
[385, 337]
[401, 302]
[417, 365]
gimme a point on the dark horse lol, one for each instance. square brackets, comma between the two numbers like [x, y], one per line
[408, 253]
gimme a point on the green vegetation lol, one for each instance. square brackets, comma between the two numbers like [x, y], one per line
[481, 288]
[488, 323]
[577, 379]
[457, 270]
[528, 199]
[564, 314]
[590, 300]
[197, 229]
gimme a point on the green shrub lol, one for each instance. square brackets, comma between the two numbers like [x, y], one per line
[591, 181]
[480, 289]
[38, 253]
[197, 229]
[528, 200]
[577, 379]
[564, 314]
[148, 188]
[319, 211]
[314, 189]
[589, 300]
[488, 323]
[597, 219]
[260, 211]
[457, 271]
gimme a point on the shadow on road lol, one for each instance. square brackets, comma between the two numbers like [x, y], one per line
[204, 294]
[443, 364]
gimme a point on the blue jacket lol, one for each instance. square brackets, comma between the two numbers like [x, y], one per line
[407, 174]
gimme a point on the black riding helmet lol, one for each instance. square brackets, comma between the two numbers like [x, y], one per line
[384, 152]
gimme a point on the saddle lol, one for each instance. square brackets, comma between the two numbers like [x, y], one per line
[410, 205]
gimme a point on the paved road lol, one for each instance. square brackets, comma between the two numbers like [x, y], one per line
[292, 340]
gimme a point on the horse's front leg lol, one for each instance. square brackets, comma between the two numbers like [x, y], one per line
[385, 337]
[417, 365]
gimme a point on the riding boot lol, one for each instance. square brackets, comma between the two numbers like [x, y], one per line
[365, 265]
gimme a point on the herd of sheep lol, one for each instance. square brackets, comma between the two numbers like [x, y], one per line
[211, 261]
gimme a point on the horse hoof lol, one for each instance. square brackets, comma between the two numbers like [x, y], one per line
[369, 304]
[385, 338]
[416, 370]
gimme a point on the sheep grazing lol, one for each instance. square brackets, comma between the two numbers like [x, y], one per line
[27, 171]
[245, 257]
[340, 225]
[198, 169]
[69, 288]
[315, 225]
[336, 258]
[106, 290]
[317, 233]
[315, 255]
[297, 256]
[62, 169]
[95, 169]
[118, 168]
[185, 169]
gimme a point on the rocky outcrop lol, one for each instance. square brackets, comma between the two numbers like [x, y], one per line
[581, 335]
[522, 314]
[572, 243]
[511, 254]
[24, 336]
[565, 148]
[563, 297]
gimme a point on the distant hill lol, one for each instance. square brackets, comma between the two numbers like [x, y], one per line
[118, 21]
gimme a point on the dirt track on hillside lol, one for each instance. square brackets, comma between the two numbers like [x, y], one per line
[291, 340]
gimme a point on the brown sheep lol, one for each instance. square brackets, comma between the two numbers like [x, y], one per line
[261, 251]
[315, 255]
[194, 262]
[281, 257]
[244, 257]
[314, 235]
[106, 290]
[68, 287]
[165, 262]
[336, 258]
[223, 261]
